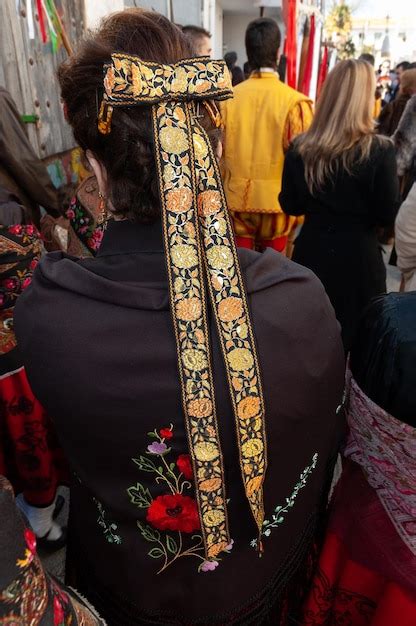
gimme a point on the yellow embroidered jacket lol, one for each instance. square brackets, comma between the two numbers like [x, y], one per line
[260, 121]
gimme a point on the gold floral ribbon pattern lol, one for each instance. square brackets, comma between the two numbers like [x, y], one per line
[202, 267]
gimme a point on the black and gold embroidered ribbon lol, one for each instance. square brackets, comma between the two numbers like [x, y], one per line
[201, 256]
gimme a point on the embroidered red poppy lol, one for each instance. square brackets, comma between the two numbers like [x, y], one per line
[184, 464]
[166, 433]
[174, 512]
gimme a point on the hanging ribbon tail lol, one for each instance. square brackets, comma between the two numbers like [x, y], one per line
[291, 43]
[323, 71]
[39, 8]
[306, 86]
[50, 19]
[203, 270]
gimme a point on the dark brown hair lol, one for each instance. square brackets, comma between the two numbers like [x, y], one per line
[127, 152]
[262, 43]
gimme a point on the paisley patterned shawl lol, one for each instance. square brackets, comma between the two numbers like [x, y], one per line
[385, 448]
[202, 265]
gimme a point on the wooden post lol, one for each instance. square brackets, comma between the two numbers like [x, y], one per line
[261, 11]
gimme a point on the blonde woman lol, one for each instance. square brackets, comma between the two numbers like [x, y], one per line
[343, 177]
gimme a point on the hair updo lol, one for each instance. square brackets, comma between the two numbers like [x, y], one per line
[127, 153]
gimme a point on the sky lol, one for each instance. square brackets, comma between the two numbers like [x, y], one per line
[381, 8]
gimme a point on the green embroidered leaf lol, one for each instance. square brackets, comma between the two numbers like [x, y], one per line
[172, 466]
[145, 464]
[155, 553]
[152, 435]
[171, 544]
[148, 533]
[140, 496]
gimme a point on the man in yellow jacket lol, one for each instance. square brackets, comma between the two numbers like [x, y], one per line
[260, 121]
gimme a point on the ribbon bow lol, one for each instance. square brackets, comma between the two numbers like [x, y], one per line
[201, 259]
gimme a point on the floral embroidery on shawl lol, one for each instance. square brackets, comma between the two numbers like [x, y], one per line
[20, 251]
[172, 521]
[86, 228]
[109, 528]
[280, 511]
[27, 596]
[385, 448]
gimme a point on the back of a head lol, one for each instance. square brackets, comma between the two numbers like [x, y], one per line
[369, 58]
[403, 66]
[127, 153]
[231, 59]
[262, 43]
[408, 82]
[199, 39]
[342, 129]
[383, 357]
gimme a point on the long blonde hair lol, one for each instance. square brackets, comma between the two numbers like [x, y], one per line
[342, 130]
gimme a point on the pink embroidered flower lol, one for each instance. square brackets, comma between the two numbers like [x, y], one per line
[95, 240]
[17, 229]
[410, 527]
[30, 229]
[26, 282]
[208, 566]
[58, 612]
[230, 546]
[157, 448]
[166, 433]
[11, 284]
[33, 264]
[2, 299]
[70, 214]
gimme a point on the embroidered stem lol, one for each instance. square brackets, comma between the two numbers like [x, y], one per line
[280, 511]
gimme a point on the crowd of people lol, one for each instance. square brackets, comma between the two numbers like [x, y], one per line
[209, 357]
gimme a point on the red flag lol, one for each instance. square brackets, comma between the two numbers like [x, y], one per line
[39, 8]
[323, 71]
[306, 85]
[289, 9]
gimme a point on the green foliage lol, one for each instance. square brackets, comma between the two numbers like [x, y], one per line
[338, 26]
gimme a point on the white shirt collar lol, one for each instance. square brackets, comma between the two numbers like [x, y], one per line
[268, 70]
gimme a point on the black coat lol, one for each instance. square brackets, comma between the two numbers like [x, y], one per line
[339, 238]
[98, 344]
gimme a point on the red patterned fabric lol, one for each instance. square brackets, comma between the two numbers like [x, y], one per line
[366, 575]
[344, 592]
[29, 453]
[385, 448]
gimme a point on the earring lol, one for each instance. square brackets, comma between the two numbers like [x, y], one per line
[103, 214]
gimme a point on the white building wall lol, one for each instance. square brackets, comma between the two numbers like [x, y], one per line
[95, 11]
[218, 33]
[234, 30]
[184, 11]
